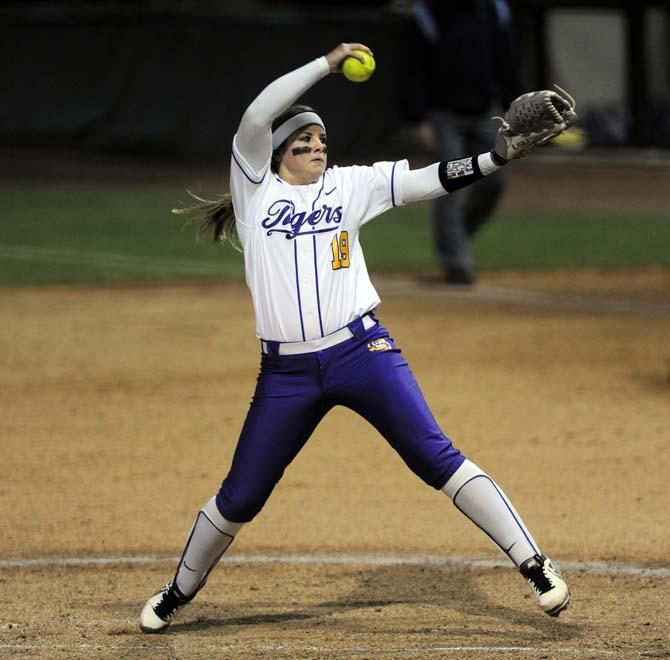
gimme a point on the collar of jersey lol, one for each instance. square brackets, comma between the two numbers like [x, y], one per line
[300, 185]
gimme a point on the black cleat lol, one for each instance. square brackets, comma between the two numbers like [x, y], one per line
[548, 584]
[160, 608]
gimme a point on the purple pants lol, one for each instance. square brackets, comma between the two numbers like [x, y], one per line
[367, 374]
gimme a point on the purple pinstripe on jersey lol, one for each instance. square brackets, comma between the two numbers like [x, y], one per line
[316, 266]
[316, 277]
[244, 171]
[323, 183]
[393, 184]
[297, 286]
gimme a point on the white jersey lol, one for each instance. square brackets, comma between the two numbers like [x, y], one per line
[303, 260]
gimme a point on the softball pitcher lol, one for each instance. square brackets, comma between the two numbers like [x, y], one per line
[321, 344]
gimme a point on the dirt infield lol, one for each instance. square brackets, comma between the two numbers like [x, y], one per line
[120, 410]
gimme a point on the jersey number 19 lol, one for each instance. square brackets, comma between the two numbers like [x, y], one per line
[340, 249]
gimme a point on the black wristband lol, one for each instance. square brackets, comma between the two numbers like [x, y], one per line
[456, 174]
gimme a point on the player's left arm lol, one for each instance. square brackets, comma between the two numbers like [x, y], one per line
[446, 177]
[531, 119]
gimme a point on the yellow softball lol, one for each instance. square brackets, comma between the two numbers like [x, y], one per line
[358, 71]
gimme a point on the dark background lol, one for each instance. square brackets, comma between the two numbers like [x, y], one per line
[173, 78]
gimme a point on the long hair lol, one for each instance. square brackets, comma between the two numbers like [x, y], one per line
[215, 216]
[218, 216]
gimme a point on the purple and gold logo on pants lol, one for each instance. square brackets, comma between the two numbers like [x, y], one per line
[379, 345]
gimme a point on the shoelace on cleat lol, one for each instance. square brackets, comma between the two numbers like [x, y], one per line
[169, 603]
[538, 578]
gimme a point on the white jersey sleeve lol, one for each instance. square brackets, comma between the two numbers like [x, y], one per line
[245, 187]
[372, 190]
[252, 144]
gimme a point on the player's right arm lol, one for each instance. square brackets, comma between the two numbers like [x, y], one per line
[253, 140]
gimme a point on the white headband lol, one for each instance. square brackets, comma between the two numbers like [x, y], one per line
[293, 124]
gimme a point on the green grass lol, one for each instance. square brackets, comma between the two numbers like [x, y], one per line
[526, 240]
[57, 236]
[103, 236]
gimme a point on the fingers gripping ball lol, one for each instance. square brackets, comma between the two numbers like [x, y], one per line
[358, 71]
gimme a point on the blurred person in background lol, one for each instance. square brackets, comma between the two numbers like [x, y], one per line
[459, 69]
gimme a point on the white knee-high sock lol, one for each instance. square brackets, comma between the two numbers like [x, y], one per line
[208, 539]
[476, 495]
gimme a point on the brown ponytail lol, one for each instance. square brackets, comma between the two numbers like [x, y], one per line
[215, 216]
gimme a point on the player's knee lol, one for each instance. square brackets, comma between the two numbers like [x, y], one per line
[436, 465]
[239, 505]
[448, 472]
[441, 474]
